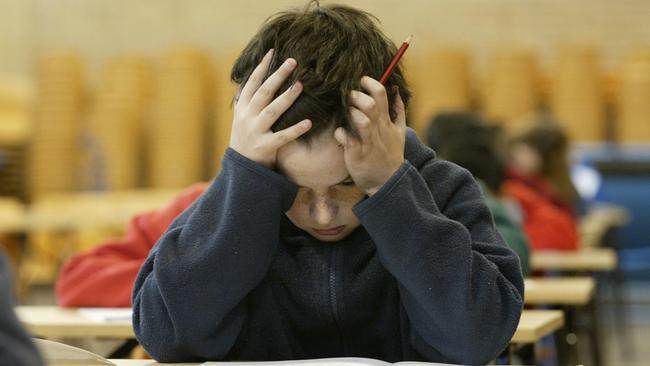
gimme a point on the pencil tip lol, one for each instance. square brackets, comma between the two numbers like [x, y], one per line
[408, 40]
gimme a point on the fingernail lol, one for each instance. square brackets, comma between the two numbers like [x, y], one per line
[306, 124]
[290, 63]
[269, 53]
[296, 87]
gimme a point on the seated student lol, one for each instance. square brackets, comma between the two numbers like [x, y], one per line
[104, 275]
[464, 139]
[16, 347]
[330, 230]
[538, 177]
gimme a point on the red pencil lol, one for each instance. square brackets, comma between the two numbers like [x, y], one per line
[395, 60]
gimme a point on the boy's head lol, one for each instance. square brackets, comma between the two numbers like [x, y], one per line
[334, 45]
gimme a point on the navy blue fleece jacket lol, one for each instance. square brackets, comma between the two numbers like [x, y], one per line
[16, 347]
[425, 277]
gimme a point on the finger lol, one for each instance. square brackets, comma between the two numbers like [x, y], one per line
[289, 134]
[364, 103]
[255, 79]
[341, 136]
[349, 143]
[270, 86]
[377, 91]
[362, 123]
[279, 105]
[400, 111]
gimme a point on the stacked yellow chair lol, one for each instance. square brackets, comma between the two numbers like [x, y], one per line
[181, 109]
[511, 89]
[114, 136]
[578, 97]
[223, 106]
[440, 80]
[633, 123]
[59, 101]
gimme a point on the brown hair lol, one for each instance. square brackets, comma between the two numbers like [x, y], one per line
[334, 45]
[552, 144]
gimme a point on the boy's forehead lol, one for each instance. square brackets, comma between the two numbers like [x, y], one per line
[319, 163]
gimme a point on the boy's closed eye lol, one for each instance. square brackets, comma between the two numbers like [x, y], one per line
[345, 182]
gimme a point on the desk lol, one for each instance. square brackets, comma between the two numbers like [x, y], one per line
[535, 324]
[53, 321]
[72, 211]
[122, 362]
[583, 260]
[12, 216]
[577, 291]
[598, 221]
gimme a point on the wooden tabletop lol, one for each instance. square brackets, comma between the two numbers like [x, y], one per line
[535, 324]
[12, 215]
[559, 290]
[587, 259]
[53, 321]
[72, 211]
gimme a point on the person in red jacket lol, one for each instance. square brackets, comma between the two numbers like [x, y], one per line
[538, 178]
[104, 275]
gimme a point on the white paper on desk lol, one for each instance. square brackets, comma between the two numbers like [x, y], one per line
[59, 354]
[106, 314]
[345, 361]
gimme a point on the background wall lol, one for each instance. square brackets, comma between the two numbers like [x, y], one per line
[100, 28]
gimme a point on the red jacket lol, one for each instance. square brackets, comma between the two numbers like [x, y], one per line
[548, 226]
[104, 276]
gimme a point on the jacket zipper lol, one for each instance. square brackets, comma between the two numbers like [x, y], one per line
[333, 298]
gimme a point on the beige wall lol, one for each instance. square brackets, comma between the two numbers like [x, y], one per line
[100, 28]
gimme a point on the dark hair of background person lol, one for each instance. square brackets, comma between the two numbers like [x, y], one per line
[463, 138]
[547, 138]
[334, 46]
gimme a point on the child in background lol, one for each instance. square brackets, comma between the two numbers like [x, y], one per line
[538, 177]
[103, 276]
[464, 139]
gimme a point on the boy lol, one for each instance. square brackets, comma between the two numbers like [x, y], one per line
[328, 232]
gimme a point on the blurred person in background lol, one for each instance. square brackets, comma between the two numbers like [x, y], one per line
[464, 139]
[538, 178]
[104, 275]
[16, 346]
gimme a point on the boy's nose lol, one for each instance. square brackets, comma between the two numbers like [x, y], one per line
[323, 212]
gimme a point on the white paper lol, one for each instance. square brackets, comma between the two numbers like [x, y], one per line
[350, 361]
[106, 314]
[59, 354]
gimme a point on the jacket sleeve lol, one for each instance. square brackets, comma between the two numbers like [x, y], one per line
[189, 297]
[104, 276]
[460, 284]
[16, 347]
[548, 226]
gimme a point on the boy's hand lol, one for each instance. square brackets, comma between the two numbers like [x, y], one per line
[255, 112]
[379, 151]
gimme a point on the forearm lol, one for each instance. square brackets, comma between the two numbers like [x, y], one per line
[458, 279]
[188, 298]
